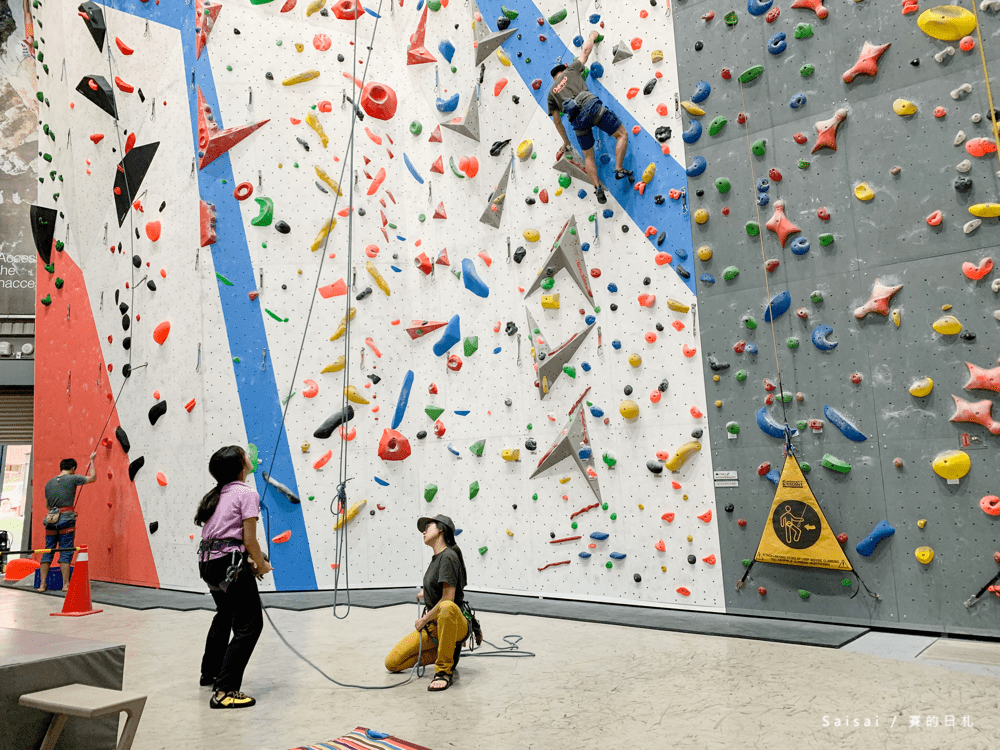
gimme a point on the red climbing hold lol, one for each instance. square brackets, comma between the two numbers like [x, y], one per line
[780, 224]
[349, 10]
[282, 537]
[377, 182]
[771, 265]
[454, 363]
[336, 289]
[826, 131]
[439, 428]
[799, 138]
[774, 174]
[418, 53]
[438, 166]
[867, 63]
[647, 300]
[322, 42]
[726, 74]
[975, 272]
[660, 546]
[536, 84]
[424, 264]
[706, 516]
[123, 48]
[435, 135]
[940, 112]
[632, 92]
[128, 88]
[763, 468]
[97, 138]
[684, 591]
[378, 100]
[710, 560]
[153, 230]
[823, 213]
[161, 332]
[499, 86]
[161, 479]
[668, 517]
[393, 446]
[636, 43]
[772, 15]
[189, 406]
[813, 5]
[935, 219]
[289, 5]
[439, 212]
[662, 258]
[980, 146]
[662, 111]
[130, 142]
[543, 196]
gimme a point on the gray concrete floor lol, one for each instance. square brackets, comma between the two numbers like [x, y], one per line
[590, 686]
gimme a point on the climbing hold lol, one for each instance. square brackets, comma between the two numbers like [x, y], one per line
[777, 43]
[904, 107]
[947, 325]
[952, 465]
[778, 306]
[867, 63]
[947, 22]
[921, 388]
[838, 420]
[819, 334]
[832, 462]
[682, 454]
[878, 302]
[979, 412]
[751, 73]
[882, 530]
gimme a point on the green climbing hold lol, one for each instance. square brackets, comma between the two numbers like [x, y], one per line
[715, 126]
[574, 525]
[816, 297]
[511, 14]
[471, 344]
[801, 424]
[416, 128]
[276, 316]
[731, 18]
[805, 466]
[564, 180]
[608, 565]
[741, 375]
[569, 370]
[753, 228]
[723, 185]
[433, 411]
[793, 342]
[604, 506]
[477, 448]
[287, 398]
[60, 245]
[785, 397]
[803, 31]
[422, 218]
[236, 360]
[482, 550]
[548, 283]
[558, 16]
[730, 273]
[614, 516]
[46, 300]
[746, 562]
[759, 147]
[473, 489]
[807, 70]
[846, 582]
[826, 239]
[803, 593]
[59, 283]
[751, 73]
[253, 456]
[803, 164]
[832, 462]
[50, 267]
[529, 425]
[430, 491]
[733, 428]
[223, 279]
[750, 322]
[434, 5]
[40, 96]
[535, 496]
[609, 460]
[266, 213]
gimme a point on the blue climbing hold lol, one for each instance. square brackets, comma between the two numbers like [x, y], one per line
[847, 427]
[616, 344]
[763, 199]
[381, 482]
[775, 45]
[413, 169]
[770, 427]
[585, 246]
[819, 340]
[773, 476]
[578, 41]
[698, 166]
[451, 336]
[581, 193]
[763, 185]
[396, 268]
[779, 306]
[585, 366]
[448, 105]
[605, 159]
[596, 70]
[799, 100]
[470, 277]
[590, 319]
[693, 132]
[882, 530]
[497, 350]
[463, 412]
[585, 453]
[701, 91]
[447, 49]
[612, 287]
[584, 555]
[681, 253]
[596, 412]
[453, 449]
[757, 8]
[617, 555]
[607, 213]
[594, 18]
[800, 246]
[706, 278]
[751, 348]
[403, 400]
[600, 536]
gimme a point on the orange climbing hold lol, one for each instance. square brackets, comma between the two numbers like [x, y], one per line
[696, 412]
[336, 289]
[161, 332]
[189, 406]
[323, 460]
[709, 560]
[153, 230]
[975, 272]
[668, 517]
[684, 591]
[161, 478]
[706, 516]
[633, 92]
[282, 537]
[499, 86]
[981, 146]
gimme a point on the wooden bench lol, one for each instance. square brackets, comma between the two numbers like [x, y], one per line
[86, 702]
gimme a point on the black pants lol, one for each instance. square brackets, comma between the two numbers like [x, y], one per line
[238, 610]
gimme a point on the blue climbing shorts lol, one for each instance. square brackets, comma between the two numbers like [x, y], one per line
[61, 537]
[593, 114]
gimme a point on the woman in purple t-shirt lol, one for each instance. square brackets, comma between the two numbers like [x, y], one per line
[228, 515]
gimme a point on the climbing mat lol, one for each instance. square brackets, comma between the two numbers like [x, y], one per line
[842, 175]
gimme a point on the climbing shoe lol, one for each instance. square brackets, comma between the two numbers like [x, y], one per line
[206, 681]
[621, 174]
[601, 197]
[232, 699]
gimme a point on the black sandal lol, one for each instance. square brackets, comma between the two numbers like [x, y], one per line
[443, 677]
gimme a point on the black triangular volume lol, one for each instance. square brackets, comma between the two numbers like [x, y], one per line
[130, 173]
[123, 439]
[158, 410]
[94, 18]
[97, 90]
[133, 468]
[43, 230]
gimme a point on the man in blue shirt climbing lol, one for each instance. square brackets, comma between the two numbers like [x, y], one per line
[569, 95]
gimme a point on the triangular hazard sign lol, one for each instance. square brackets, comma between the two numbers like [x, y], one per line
[796, 532]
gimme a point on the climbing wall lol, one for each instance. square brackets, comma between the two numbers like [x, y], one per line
[873, 242]
[461, 253]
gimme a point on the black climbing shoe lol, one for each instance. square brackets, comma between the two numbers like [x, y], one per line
[601, 197]
[623, 173]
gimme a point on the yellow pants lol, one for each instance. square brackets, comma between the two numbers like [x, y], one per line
[450, 629]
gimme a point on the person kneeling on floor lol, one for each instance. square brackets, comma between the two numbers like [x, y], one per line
[447, 621]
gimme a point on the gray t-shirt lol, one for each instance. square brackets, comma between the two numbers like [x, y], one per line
[444, 568]
[568, 85]
[60, 491]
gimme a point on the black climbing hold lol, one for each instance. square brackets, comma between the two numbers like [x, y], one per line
[325, 13]
[163, 206]
[127, 343]
[126, 370]
[59, 283]
[716, 365]
[507, 402]
[137, 261]
[151, 285]
[503, 23]
[270, 76]
[333, 422]
[730, 507]
[514, 506]
[625, 228]
[542, 356]
[510, 328]
[133, 468]
[699, 192]
[614, 307]
[648, 88]
[282, 226]
[659, 326]
[422, 434]
[530, 444]
[498, 147]
[647, 281]
[697, 432]
[364, 293]
[915, 62]
[340, 58]
[93, 17]
[516, 99]
[157, 410]
[373, 513]
[682, 272]
[142, 96]
[655, 467]
[129, 175]
[122, 439]
[236, 31]
[692, 559]
[103, 96]
[662, 133]
[552, 535]
[637, 578]
[628, 390]
[550, 271]
[699, 46]
[530, 201]
[963, 184]
[43, 230]
[126, 322]
[302, 143]
[374, 378]
[658, 200]
[361, 212]
[662, 387]
[967, 335]
[122, 308]
[153, 526]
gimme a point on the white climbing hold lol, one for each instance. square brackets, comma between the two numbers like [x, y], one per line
[977, 118]
[995, 286]
[964, 166]
[946, 52]
[992, 5]
[972, 226]
[959, 137]
[965, 88]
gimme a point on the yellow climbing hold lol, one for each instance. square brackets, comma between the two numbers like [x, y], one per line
[922, 387]
[704, 253]
[656, 56]
[677, 306]
[922, 522]
[985, 210]
[951, 464]
[718, 402]
[334, 185]
[502, 57]
[315, 124]
[683, 453]
[692, 109]
[377, 277]
[354, 395]
[563, 480]
[629, 409]
[299, 46]
[342, 328]
[524, 149]
[946, 22]
[896, 317]
[716, 378]
[349, 516]
[532, 235]
[306, 75]
[337, 365]
[321, 235]
[550, 301]
[559, 191]
[649, 172]
[701, 216]
[511, 454]
[863, 192]
[924, 554]
[904, 107]
[315, 7]
[635, 360]
[947, 325]
[945, 308]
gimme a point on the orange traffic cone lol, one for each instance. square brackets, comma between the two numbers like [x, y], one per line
[77, 602]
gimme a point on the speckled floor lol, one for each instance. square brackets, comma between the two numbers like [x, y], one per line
[589, 686]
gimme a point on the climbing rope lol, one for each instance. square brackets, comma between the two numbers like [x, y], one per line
[986, 76]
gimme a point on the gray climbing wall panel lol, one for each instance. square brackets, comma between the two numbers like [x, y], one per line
[884, 238]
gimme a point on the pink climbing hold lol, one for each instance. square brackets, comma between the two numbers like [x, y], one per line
[981, 146]
[499, 86]
[813, 5]
[982, 379]
[826, 131]
[322, 42]
[378, 100]
[980, 412]
[161, 332]
[878, 302]
[867, 63]
[780, 224]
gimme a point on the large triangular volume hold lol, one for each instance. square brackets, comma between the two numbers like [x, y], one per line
[206, 14]
[621, 51]
[573, 442]
[212, 142]
[418, 53]
[129, 175]
[96, 89]
[567, 254]
[571, 163]
[796, 532]
[93, 17]
[491, 43]
[549, 363]
[469, 125]
[43, 231]
[494, 209]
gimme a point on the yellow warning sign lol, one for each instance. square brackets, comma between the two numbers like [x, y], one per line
[797, 532]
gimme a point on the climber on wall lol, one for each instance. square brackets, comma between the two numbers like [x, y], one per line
[60, 521]
[569, 95]
[447, 621]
